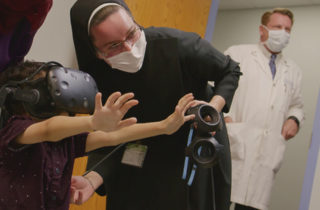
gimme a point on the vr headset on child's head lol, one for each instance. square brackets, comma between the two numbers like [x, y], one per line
[62, 89]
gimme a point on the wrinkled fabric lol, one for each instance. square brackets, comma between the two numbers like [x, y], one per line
[13, 11]
[261, 105]
[19, 21]
[36, 176]
[175, 63]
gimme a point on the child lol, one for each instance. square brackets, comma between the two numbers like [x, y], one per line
[37, 155]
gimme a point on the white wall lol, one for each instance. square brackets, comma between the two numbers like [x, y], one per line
[241, 26]
[310, 178]
[54, 40]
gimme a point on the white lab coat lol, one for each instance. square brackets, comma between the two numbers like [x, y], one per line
[259, 109]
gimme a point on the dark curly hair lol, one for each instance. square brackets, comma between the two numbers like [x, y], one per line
[18, 72]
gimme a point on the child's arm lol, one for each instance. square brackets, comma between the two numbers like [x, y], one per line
[143, 130]
[106, 117]
[82, 188]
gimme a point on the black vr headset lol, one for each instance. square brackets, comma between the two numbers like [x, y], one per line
[202, 148]
[62, 89]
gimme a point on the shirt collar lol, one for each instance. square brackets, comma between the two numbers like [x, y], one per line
[266, 53]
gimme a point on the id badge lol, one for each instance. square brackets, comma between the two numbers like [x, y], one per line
[134, 155]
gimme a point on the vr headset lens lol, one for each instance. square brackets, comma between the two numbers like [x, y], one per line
[203, 151]
[204, 148]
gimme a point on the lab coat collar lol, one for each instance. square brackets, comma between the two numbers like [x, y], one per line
[262, 57]
[267, 54]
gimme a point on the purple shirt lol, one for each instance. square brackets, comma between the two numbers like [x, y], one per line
[36, 176]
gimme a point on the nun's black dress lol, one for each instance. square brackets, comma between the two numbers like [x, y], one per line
[175, 63]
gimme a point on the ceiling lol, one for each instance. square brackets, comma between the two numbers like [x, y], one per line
[250, 4]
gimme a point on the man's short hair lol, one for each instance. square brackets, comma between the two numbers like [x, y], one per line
[266, 16]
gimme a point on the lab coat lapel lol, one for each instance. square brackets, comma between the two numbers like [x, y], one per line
[260, 60]
[282, 68]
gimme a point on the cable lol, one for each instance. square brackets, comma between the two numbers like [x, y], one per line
[213, 191]
[104, 158]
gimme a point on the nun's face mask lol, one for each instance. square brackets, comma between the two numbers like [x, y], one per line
[125, 53]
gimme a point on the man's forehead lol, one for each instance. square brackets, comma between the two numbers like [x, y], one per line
[276, 18]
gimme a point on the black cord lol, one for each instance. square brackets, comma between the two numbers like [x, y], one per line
[213, 191]
[29, 78]
[103, 159]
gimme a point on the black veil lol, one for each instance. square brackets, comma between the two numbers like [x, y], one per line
[80, 14]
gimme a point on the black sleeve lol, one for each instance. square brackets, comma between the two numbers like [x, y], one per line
[205, 63]
[295, 119]
[94, 158]
[104, 161]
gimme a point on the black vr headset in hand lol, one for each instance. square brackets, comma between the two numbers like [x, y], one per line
[62, 89]
[204, 149]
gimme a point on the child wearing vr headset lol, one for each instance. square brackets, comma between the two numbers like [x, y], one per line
[37, 151]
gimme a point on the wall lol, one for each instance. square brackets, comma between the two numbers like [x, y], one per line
[187, 15]
[311, 183]
[54, 40]
[241, 26]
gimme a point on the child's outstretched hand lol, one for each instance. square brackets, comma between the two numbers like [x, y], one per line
[178, 117]
[108, 117]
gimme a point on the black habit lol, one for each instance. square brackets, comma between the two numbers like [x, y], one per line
[175, 63]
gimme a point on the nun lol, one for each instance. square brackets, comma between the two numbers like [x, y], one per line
[159, 65]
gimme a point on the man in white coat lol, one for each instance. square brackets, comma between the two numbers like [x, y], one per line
[266, 111]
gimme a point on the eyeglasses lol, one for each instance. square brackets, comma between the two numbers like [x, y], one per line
[116, 47]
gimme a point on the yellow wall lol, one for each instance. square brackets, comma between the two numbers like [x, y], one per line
[187, 15]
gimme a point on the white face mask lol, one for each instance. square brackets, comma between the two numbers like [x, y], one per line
[130, 61]
[277, 40]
